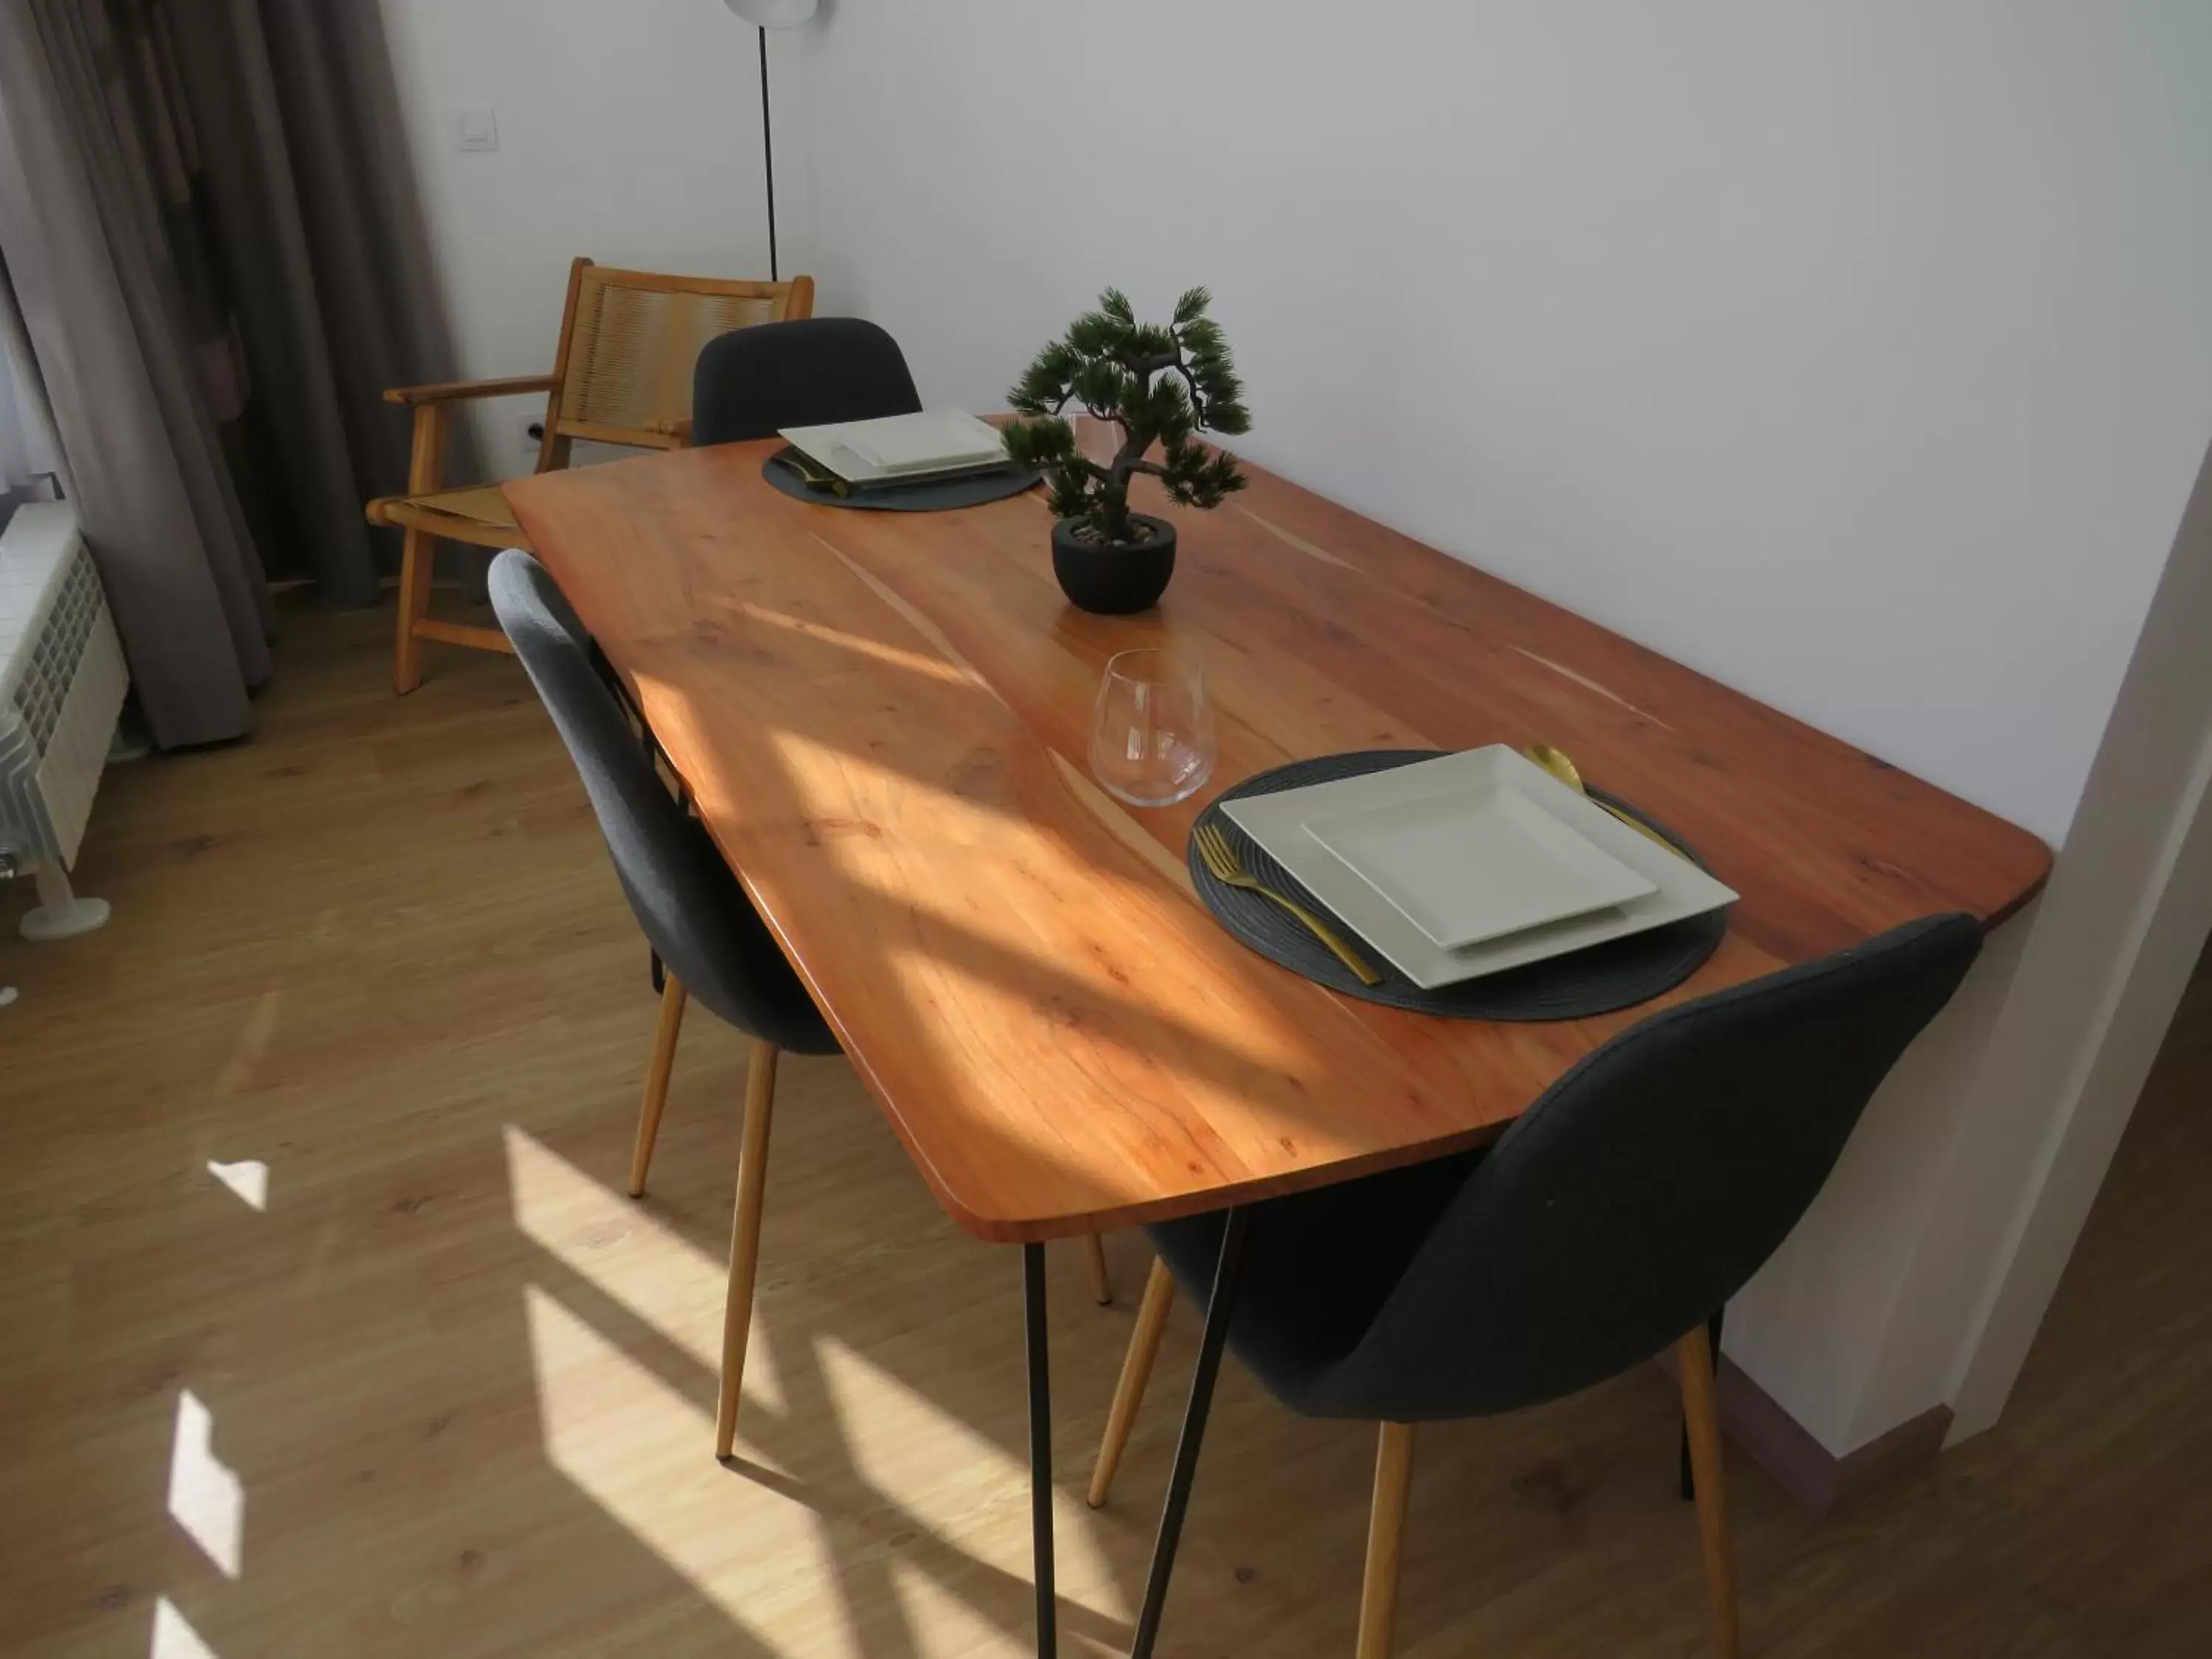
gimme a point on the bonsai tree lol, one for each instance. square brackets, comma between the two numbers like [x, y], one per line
[1159, 385]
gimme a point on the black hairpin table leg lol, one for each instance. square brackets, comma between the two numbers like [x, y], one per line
[1048, 1634]
[1219, 1309]
[1713, 1335]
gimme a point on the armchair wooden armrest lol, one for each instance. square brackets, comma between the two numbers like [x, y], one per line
[454, 390]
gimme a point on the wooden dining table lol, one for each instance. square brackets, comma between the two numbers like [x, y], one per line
[883, 719]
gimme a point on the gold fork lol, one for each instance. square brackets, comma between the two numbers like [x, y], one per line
[1221, 859]
[812, 475]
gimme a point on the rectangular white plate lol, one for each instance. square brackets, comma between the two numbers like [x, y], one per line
[1477, 863]
[901, 448]
[1279, 823]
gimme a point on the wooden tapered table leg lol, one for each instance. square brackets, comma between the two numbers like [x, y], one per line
[1136, 1371]
[1385, 1538]
[1094, 1255]
[745, 1239]
[673, 996]
[1700, 1411]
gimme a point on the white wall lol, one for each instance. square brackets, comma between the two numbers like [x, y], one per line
[1854, 352]
[630, 131]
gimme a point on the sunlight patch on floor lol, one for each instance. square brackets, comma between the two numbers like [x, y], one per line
[948, 1476]
[954, 1625]
[626, 1252]
[173, 1636]
[896, 1490]
[248, 1178]
[644, 1455]
[205, 1499]
[895, 1435]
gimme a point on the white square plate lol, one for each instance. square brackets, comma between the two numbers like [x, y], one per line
[1279, 823]
[1478, 863]
[901, 448]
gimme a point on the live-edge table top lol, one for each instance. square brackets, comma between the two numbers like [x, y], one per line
[883, 719]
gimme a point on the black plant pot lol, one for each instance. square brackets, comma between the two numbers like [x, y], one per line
[1113, 579]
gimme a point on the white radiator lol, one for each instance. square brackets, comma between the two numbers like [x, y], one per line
[62, 681]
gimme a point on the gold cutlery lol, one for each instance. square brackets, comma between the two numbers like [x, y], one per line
[812, 473]
[1555, 761]
[1221, 859]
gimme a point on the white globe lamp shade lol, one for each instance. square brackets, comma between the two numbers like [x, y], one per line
[774, 14]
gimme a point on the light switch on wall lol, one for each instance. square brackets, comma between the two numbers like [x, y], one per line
[476, 127]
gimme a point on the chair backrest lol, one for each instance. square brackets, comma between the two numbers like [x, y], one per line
[1648, 1184]
[688, 905]
[755, 383]
[629, 341]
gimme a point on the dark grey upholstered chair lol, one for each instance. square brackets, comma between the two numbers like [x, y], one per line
[756, 381]
[1608, 1223]
[714, 945]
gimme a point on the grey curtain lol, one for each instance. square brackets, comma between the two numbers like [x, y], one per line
[318, 231]
[31, 464]
[210, 217]
[104, 312]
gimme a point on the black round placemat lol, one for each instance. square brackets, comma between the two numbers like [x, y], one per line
[937, 495]
[1595, 980]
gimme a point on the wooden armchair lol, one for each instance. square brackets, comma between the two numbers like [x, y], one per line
[622, 374]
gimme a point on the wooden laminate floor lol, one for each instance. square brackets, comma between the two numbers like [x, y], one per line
[328, 1331]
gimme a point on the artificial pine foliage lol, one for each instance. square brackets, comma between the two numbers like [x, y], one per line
[1158, 385]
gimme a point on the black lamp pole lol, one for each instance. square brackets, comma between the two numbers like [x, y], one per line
[767, 159]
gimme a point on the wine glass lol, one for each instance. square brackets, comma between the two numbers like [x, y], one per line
[1152, 741]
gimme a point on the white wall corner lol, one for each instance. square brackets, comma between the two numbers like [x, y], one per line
[1922, 1275]
[2126, 917]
